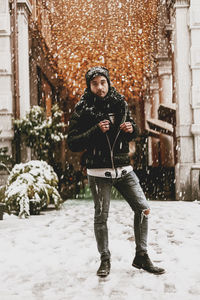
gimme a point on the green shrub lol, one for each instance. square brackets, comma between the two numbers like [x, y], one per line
[41, 133]
[33, 182]
[2, 193]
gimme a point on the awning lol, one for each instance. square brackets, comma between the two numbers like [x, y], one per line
[160, 126]
[167, 113]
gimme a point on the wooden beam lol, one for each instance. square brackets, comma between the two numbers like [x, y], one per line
[161, 126]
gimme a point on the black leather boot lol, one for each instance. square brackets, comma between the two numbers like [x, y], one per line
[104, 268]
[143, 262]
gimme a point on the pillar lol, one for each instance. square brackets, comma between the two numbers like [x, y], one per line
[185, 153]
[23, 11]
[154, 143]
[165, 93]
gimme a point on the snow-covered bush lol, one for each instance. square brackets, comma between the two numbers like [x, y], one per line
[34, 182]
[41, 133]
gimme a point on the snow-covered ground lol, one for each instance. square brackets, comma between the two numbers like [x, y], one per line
[53, 256]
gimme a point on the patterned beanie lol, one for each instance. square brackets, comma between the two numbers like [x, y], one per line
[97, 71]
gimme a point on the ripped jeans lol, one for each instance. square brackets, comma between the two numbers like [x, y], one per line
[129, 187]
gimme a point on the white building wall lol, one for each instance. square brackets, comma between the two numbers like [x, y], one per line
[185, 155]
[6, 104]
[6, 72]
[187, 74]
[194, 26]
[6, 92]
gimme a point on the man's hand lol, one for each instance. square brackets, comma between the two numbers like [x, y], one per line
[126, 127]
[104, 125]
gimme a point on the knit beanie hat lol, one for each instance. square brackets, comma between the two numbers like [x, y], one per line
[96, 71]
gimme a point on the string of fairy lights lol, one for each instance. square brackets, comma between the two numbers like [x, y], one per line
[119, 34]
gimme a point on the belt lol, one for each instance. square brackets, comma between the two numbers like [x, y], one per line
[110, 173]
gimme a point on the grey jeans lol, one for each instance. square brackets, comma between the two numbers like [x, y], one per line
[129, 187]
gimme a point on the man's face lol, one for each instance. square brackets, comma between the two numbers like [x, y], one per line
[99, 86]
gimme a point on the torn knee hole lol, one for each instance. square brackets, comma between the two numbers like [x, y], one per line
[146, 212]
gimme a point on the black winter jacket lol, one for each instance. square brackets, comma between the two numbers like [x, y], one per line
[103, 150]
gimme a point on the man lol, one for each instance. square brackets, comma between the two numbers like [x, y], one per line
[101, 125]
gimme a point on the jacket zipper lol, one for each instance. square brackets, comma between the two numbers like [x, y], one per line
[112, 148]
